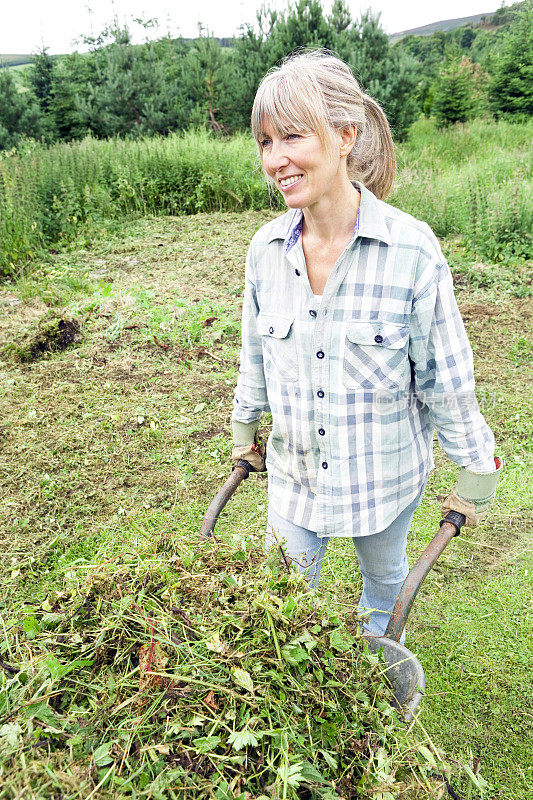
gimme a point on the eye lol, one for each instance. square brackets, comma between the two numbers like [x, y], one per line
[265, 142]
[293, 136]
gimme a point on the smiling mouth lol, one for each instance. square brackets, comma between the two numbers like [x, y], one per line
[286, 182]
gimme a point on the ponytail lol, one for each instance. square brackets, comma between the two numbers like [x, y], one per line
[373, 160]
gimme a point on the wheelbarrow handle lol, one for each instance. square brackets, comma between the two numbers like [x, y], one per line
[450, 526]
[241, 470]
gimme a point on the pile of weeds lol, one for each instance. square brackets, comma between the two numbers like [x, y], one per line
[199, 670]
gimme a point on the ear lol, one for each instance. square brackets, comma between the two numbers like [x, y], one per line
[347, 137]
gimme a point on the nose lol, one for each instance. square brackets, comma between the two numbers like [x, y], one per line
[275, 158]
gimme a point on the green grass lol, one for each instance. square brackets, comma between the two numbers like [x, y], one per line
[126, 436]
[472, 182]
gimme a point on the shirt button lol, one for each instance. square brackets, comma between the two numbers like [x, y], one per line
[321, 431]
[324, 465]
[313, 313]
[297, 272]
[320, 393]
[320, 354]
[271, 329]
[378, 338]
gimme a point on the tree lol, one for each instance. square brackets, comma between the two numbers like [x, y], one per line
[41, 77]
[130, 94]
[511, 87]
[20, 114]
[73, 74]
[389, 76]
[204, 77]
[452, 98]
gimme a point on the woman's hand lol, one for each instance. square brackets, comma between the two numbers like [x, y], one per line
[473, 494]
[254, 454]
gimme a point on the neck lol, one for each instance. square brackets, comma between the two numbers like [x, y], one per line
[333, 216]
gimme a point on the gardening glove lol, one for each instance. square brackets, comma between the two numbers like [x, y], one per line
[473, 494]
[247, 446]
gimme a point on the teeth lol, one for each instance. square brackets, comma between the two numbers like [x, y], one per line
[289, 181]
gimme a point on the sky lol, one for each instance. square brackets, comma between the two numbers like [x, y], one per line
[28, 24]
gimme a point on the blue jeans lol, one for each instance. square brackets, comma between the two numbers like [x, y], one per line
[382, 560]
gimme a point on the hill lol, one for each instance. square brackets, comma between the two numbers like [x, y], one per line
[492, 19]
[11, 60]
[442, 25]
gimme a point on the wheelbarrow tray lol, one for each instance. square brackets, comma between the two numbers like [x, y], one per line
[403, 671]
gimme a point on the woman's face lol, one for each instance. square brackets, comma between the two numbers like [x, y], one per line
[300, 166]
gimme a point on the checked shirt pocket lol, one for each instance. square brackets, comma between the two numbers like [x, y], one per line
[375, 354]
[279, 346]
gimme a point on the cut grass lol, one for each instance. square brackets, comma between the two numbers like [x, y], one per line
[126, 437]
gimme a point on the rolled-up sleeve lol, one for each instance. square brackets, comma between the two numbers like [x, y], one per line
[250, 397]
[443, 371]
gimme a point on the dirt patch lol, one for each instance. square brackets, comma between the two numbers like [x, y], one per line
[208, 433]
[52, 335]
[475, 311]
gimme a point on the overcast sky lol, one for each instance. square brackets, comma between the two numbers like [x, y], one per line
[27, 24]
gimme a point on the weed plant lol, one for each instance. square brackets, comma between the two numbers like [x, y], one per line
[472, 181]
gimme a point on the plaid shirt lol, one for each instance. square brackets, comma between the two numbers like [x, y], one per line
[357, 380]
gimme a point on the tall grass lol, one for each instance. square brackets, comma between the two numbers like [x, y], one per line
[50, 195]
[472, 181]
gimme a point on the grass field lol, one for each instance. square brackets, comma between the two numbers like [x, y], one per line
[124, 438]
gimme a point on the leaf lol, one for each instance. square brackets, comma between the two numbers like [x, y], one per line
[311, 774]
[340, 640]
[428, 755]
[58, 671]
[309, 641]
[206, 744]
[479, 782]
[294, 654]
[291, 774]
[216, 645]
[10, 734]
[330, 761]
[211, 702]
[241, 739]
[44, 713]
[243, 678]
[102, 755]
[152, 658]
[31, 627]
[288, 608]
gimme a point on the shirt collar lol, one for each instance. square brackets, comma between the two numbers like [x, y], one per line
[370, 222]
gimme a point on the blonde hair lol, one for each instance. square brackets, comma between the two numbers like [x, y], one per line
[316, 91]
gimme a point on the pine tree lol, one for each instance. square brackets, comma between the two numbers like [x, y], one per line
[388, 75]
[452, 98]
[20, 114]
[41, 76]
[511, 88]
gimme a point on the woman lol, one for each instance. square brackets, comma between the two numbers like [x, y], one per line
[351, 338]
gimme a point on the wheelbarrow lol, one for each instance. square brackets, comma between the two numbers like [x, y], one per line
[403, 669]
